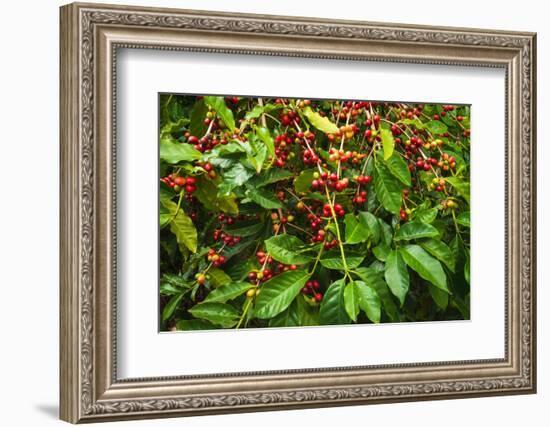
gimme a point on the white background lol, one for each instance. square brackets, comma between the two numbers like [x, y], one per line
[141, 347]
[29, 216]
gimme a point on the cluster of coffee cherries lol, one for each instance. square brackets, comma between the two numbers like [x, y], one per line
[225, 238]
[433, 144]
[345, 156]
[425, 164]
[338, 210]
[314, 221]
[208, 168]
[330, 180]
[347, 131]
[311, 288]
[282, 149]
[217, 259]
[449, 204]
[269, 268]
[361, 196]
[289, 117]
[447, 162]
[310, 157]
[353, 108]
[437, 184]
[179, 183]
[403, 214]
[206, 143]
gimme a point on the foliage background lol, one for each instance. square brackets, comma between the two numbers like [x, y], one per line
[394, 220]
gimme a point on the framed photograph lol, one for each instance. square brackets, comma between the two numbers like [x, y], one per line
[267, 212]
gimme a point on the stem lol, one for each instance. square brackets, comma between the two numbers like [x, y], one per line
[337, 233]
[246, 307]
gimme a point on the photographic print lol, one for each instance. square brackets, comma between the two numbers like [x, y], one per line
[280, 212]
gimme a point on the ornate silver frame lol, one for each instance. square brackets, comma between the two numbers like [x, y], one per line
[90, 36]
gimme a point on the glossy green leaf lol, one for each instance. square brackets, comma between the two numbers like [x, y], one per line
[198, 114]
[270, 176]
[228, 291]
[426, 216]
[356, 231]
[207, 193]
[218, 277]
[440, 297]
[264, 198]
[461, 187]
[372, 224]
[397, 275]
[441, 251]
[436, 127]
[322, 123]
[277, 293]
[171, 306]
[265, 137]
[398, 168]
[351, 300]
[415, 230]
[333, 260]
[285, 248]
[381, 252]
[333, 310]
[388, 188]
[464, 219]
[217, 103]
[216, 312]
[288, 317]
[425, 265]
[181, 226]
[375, 280]
[175, 152]
[245, 229]
[369, 301]
[302, 183]
[388, 142]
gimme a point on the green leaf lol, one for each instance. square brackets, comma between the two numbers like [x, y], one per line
[198, 114]
[467, 270]
[426, 216]
[386, 232]
[171, 306]
[388, 189]
[277, 293]
[397, 276]
[181, 226]
[441, 251]
[374, 280]
[258, 110]
[285, 248]
[398, 168]
[388, 143]
[440, 297]
[194, 325]
[369, 301]
[333, 260]
[228, 292]
[246, 229]
[288, 317]
[270, 176]
[321, 123]
[234, 177]
[464, 219]
[415, 230]
[265, 137]
[207, 193]
[175, 152]
[332, 310]
[425, 265]
[217, 103]
[381, 252]
[356, 232]
[351, 300]
[264, 198]
[302, 183]
[217, 313]
[218, 277]
[461, 187]
[308, 315]
[436, 127]
[371, 223]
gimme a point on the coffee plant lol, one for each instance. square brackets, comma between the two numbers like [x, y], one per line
[299, 212]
